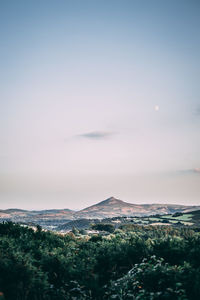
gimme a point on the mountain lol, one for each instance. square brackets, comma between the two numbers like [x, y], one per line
[108, 208]
[113, 207]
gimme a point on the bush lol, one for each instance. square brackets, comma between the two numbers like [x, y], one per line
[151, 279]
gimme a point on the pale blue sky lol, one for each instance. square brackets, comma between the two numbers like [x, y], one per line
[79, 84]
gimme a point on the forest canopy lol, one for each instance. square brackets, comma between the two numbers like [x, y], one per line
[135, 262]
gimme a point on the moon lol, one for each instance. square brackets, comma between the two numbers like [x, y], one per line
[156, 107]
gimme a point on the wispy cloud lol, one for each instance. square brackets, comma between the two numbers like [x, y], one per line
[92, 135]
[190, 171]
[96, 135]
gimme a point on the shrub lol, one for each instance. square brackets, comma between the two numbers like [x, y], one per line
[151, 279]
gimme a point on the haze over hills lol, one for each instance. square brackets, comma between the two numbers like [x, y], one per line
[108, 208]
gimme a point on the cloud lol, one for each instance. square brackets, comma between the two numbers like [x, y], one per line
[92, 135]
[96, 135]
[190, 171]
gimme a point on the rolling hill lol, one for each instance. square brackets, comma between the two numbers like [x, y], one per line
[189, 219]
[113, 207]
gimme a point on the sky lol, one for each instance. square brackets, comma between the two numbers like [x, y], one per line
[99, 99]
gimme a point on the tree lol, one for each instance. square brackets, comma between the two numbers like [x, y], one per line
[104, 227]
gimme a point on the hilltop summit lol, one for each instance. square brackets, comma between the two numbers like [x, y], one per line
[110, 201]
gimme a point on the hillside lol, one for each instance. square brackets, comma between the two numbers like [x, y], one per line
[113, 207]
[189, 219]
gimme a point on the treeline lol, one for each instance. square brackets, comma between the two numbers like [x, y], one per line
[133, 262]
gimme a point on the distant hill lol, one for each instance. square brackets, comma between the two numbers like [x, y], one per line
[113, 207]
[108, 208]
[80, 224]
[191, 218]
[188, 219]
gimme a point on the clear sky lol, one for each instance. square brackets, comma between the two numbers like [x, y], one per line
[98, 99]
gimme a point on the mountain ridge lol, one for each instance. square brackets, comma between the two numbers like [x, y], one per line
[113, 207]
[110, 207]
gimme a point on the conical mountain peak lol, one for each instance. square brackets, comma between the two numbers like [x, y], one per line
[110, 200]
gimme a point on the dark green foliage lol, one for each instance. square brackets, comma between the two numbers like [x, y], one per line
[39, 265]
[151, 279]
[104, 227]
[177, 214]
